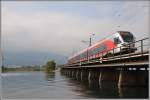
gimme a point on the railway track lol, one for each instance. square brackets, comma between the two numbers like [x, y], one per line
[133, 59]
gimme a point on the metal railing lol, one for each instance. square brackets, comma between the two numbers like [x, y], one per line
[140, 49]
[140, 45]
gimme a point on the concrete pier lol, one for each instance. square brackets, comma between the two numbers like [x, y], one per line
[73, 73]
[133, 78]
[93, 75]
[108, 77]
[84, 74]
[78, 74]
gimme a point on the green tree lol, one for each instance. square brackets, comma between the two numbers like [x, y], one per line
[50, 66]
[3, 69]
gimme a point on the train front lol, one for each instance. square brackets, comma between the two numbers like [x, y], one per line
[128, 43]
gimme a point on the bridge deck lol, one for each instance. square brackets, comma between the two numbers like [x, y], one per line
[119, 65]
[132, 60]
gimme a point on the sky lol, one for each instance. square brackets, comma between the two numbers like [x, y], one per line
[35, 31]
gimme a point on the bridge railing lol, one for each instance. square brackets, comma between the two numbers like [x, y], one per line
[141, 46]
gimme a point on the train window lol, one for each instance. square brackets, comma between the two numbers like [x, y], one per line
[97, 50]
[127, 36]
[101, 48]
[84, 54]
[90, 52]
[116, 40]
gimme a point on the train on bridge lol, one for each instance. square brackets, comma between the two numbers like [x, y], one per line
[117, 59]
[118, 42]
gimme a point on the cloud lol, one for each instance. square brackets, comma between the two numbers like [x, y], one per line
[134, 16]
[44, 31]
[62, 32]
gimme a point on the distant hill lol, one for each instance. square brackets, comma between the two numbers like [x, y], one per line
[31, 58]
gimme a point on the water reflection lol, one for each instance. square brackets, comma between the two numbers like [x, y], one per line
[50, 76]
[55, 85]
[133, 92]
[95, 89]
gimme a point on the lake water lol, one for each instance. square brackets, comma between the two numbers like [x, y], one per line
[40, 85]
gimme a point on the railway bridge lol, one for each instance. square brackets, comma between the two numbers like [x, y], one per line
[123, 69]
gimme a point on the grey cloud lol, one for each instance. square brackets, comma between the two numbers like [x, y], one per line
[60, 33]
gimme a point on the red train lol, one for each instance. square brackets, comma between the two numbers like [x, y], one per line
[115, 40]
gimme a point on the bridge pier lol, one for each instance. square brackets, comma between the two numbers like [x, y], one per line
[108, 77]
[120, 76]
[78, 74]
[93, 76]
[70, 73]
[73, 73]
[133, 78]
[84, 74]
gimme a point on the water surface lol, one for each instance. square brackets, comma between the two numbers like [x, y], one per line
[54, 85]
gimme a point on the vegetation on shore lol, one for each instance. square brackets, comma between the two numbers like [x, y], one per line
[48, 67]
[21, 69]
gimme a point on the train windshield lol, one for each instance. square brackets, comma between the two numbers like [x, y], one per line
[127, 36]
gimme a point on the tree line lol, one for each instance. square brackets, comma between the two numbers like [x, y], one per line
[48, 67]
